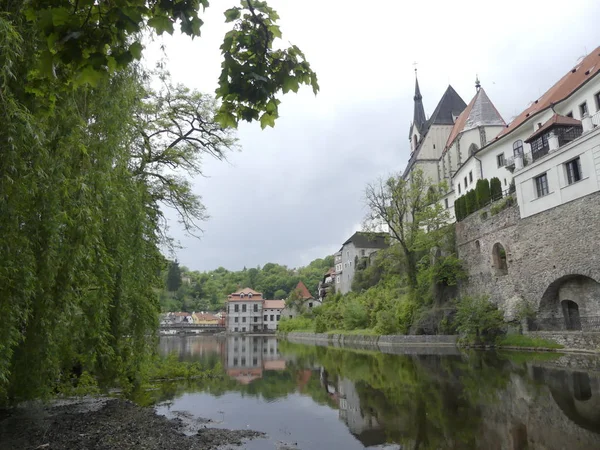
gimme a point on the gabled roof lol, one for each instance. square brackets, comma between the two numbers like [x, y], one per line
[480, 112]
[362, 239]
[303, 291]
[273, 304]
[450, 106]
[555, 120]
[562, 89]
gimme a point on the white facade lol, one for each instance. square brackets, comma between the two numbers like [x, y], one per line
[244, 316]
[554, 166]
[271, 318]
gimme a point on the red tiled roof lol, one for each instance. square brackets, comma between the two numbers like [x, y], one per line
[303, 291]
[273, 304]
[555, 120]
[247, 291]
[277, 364]
[563, 88]
[237, 296]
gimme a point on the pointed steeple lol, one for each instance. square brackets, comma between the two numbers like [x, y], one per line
[419, 115]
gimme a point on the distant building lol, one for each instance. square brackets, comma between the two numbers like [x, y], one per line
[248, 311]
[306, 300]
[359, 245]
[327, 283]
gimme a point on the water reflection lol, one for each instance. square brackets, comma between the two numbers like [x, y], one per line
[329, 398]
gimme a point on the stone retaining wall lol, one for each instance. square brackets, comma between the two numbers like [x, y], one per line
[396, 344]
[572, 340]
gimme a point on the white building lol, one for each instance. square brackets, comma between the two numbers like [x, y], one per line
[359, 245]
[272, 313]
[245, 311]
[564, 117]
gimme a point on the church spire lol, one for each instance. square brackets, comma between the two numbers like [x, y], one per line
[419, 115]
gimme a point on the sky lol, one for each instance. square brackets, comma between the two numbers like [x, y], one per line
[295, 193]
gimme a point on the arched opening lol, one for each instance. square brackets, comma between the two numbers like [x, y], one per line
[478, 245]
[569, 303]
[499, 259]
[473, 149]
[414, 142]
[519, 437]
[582, 389]
[571, 314]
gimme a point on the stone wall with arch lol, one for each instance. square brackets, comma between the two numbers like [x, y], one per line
[550, 257]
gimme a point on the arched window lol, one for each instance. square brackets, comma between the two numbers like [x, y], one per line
[518, 148]
[414, 142]
[473, 149]
[478, 246]
[499, 259]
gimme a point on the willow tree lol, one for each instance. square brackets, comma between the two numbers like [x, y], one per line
[90, 157]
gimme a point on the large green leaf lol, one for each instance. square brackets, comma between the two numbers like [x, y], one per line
[161, 24]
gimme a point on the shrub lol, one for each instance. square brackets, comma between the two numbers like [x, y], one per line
[471, 200]
[459, 208]
[478, 320]
[386, 323]
[296, 324]
[482, 190]
[355, 315]
[496, 188]
[405, 313]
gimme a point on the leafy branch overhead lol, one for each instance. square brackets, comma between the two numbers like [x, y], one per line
[253, 72]
[84, 42]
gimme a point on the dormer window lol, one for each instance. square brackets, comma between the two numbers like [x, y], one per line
[242, 295]
[250, 295]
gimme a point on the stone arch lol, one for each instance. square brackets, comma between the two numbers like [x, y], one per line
[567, 295]
[499, 259]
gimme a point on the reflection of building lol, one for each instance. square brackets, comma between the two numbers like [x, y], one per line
[246, 357]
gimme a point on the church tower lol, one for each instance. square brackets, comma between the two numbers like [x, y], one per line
[419, 118]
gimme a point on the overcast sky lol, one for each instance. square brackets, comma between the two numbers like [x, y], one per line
[295, 193]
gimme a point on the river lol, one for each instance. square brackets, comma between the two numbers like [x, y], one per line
[315, 397]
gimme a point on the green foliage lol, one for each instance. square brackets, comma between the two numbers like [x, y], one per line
[471, 202]
[496, 188]
[355, 315]
[170, 367]
[209, 290]
[501, 205]
[91, 154]
[482, 190]
[287, 325]
[253, 71]
[478, 320]
[460, 208]
[521, 340]
[173, 277]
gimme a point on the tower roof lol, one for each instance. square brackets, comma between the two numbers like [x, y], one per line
[303, 291]
[479, 112]
[419, 118]
[450, 106]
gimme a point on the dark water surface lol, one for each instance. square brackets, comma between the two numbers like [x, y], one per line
[330, 398]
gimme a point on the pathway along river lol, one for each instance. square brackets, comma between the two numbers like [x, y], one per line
[311, 397]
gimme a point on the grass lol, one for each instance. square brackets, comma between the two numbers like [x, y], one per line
[520, 340]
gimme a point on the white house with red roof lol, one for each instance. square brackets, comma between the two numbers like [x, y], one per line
[551, 149]
[249, 312]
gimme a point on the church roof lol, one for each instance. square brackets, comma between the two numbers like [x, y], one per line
[419, 118]
[450, 106]
[479, 112]
[562, 89]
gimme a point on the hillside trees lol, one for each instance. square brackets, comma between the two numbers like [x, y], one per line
[90, 155]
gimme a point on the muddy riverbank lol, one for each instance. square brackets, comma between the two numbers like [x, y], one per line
[107, 424]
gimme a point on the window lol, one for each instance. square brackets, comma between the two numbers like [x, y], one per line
[310, 304]
[466, 183]
[541, 185]
[446, 202]
[235, 339]
[256, 319]
[237, 308]
[518, 148]
[272, 317]
[277, 317]
[243, 329]
[583, 109]
[597, 98]
[362, 253]
[505, 183]
[570, 114]
[235, 361]
[573, 170]
[244, 319]
[255, 307]
[243, 360]
[235, 329]
[500, 160]
[265, 317]
[338, 278]
[236, 319]
[471, 176]
[458, 187]
[254, 361]
[241, 295]
[291, 317]
[243, 308]
[249, 295]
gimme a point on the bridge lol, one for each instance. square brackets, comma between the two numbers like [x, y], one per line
[190, 328]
